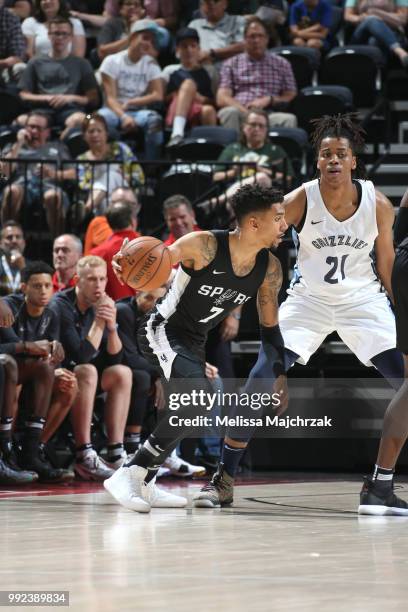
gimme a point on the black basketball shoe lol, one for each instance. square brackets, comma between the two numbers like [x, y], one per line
[378, 501]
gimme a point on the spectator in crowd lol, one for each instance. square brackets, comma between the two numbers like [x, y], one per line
[93, 350]
[114, 35]
[12, 47]
[146, 384]
[89, 11]
[258, 79]
[381, 20]
[66, 252]
[97, 182]
[21, 8]
[188, 88]
[36, 29]
[33, 341]
[60, 82]
[310, 22]
[268, 163]
[34, 183]
[120, 217]
[221, 34]
[163, 12]
[12, 261]
[132, 85]
[99, 229]
[10, 472]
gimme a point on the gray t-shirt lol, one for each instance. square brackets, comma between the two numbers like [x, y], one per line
[132, 78]
[52, 151]
[46, 75]
[113, 29]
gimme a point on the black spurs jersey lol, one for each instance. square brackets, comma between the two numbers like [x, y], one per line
[198, 300]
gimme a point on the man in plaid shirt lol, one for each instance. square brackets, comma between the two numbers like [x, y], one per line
[257, 79]
[12, 45]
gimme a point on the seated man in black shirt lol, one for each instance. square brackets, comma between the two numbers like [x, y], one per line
[93, 351]
[130, 311]
[33, 342]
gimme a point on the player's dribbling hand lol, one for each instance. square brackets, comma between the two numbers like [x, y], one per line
[281, 388]
[116, 267]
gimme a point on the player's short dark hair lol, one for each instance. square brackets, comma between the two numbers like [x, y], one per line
[347, 126]
[35, 267]
[254, 198]
[121, 2]
[176, 200]
[119, 215]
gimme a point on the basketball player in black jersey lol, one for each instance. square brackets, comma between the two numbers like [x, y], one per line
[219, 270]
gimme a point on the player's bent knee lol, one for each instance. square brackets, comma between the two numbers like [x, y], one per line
[86, 374]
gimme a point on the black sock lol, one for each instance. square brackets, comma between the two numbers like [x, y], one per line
[32, 433]
[81, 451]
[382, 478]
[151, 472]
[231, 457]
[147, 454]
[132, 442]
[5, 434]
[115, 452]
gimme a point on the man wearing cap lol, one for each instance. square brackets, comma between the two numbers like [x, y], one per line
[132, 84]
[188, 87]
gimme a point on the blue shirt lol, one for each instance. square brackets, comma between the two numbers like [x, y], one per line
[321, 13]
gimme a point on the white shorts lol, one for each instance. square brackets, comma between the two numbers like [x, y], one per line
[366, 327]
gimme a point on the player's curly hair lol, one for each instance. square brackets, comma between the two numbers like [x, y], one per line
[254, 198]
[342, 126]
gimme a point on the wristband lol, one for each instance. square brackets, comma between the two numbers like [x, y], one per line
[273, 345]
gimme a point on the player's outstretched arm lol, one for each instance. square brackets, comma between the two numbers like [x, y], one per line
[271, 337]
[195, 250]
[384, 246]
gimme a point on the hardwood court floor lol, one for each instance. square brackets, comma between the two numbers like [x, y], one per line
[283, 546]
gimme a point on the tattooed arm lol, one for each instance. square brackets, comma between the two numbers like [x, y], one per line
[267, 298]
[271, 337]
[195, 250]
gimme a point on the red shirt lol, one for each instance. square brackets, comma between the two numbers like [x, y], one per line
[107, 250]
[57, 286]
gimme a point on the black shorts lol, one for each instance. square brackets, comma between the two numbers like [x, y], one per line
[399, 282]
[168, 350]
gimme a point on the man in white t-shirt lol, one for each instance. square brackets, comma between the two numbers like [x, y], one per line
[132, 84]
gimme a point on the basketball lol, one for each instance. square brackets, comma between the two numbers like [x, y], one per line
[146, 263]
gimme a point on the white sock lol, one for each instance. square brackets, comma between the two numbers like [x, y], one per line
[179, 124]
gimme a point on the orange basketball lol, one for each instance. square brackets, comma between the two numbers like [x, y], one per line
[146, 263]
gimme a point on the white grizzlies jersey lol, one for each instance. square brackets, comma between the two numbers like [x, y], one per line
[334, 258]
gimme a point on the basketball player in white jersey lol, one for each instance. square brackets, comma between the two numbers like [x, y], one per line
[340, 222]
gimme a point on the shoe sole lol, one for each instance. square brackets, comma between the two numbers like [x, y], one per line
[197, 474]
[381, 510]
[109, 487]
[207, 503]
[85, 475]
